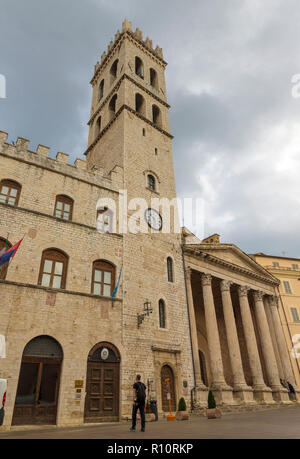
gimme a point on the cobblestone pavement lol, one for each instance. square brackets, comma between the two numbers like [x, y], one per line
[275, 423]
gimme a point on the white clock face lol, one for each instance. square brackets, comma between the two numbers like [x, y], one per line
[153, 219]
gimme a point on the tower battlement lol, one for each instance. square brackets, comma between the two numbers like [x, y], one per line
[40, 157]
[138, 36]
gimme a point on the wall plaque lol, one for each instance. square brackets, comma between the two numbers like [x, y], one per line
[79, 383]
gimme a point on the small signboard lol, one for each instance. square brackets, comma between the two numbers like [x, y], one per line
[168, 396]
[78, 383]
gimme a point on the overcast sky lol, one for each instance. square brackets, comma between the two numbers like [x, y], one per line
[235, 122]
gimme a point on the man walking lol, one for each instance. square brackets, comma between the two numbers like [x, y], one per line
[139, 401]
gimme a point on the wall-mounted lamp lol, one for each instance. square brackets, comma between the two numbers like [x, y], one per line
[147, 312]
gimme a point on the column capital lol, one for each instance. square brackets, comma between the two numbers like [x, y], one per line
[206, 279]
[258, 295]
[274, 301]
[225, 285]
[243, 290]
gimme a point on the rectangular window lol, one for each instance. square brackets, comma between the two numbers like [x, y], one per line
[275, 264]
[295, 315]
[287, 287]
[295, 266]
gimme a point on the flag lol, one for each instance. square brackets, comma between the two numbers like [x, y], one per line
[117, 286]
[10, 253]
[2, 251]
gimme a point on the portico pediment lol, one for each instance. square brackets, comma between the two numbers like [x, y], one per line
[229, 255]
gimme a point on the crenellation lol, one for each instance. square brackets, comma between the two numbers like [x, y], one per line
[3, 137]
[62, 157]
[117, 35]
[80, 164]
[159, 52]
[43, 151]
[78, 170]
[138, 34]
[126, 26]
[22, 144]
[149, 43]
[110, 47]
[103, 57]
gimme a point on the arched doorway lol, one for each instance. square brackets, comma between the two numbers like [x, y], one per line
[37, 393]
[102, 384]
[167, 373]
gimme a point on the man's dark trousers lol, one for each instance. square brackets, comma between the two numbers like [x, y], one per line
[135, 408]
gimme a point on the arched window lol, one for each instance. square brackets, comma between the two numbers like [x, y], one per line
[10, 192]
[139, 67]
[170, 269]
[140, 104]
[63, 207]
[53, 270]
[112, 106]
[104, 220]
[98, 126]
[153, 79]
[156, 115]
[151, 182]
[114, 71]
[103, 278]
[101, 90]
[3, 269]
[162, 314]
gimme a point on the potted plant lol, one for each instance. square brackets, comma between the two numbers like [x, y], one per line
[212, 411]
[149, 415]
[182, 414]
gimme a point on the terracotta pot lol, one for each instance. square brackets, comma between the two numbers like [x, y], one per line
[213, 413]
[150, 417]
[182, 415]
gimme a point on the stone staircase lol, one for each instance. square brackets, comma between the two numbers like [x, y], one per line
[229, 409]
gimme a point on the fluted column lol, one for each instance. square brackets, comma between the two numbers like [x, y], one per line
[267, 347]
[213, 339]
[255, 366]
[282, 346]
[193, 327]
[273, 336]
[239, 382]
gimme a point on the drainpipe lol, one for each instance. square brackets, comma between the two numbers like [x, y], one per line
[187, 302]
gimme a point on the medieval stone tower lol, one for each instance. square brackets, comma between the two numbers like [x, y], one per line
[129, 129]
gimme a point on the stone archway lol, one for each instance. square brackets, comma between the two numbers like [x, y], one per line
[37, 393]
[103, 384]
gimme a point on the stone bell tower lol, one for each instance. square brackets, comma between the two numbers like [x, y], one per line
[129, 129]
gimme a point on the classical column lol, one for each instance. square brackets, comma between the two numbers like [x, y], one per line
[262, 392]
[273, 336]
[213, 339]
[239, 384]
[280, 393]
[193, 327]
[201, 390]
[282, 346]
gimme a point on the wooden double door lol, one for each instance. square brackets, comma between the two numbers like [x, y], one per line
[37, 394]
[102, 392]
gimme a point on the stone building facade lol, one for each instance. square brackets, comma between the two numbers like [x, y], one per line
[73, 343]
[287, 270]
